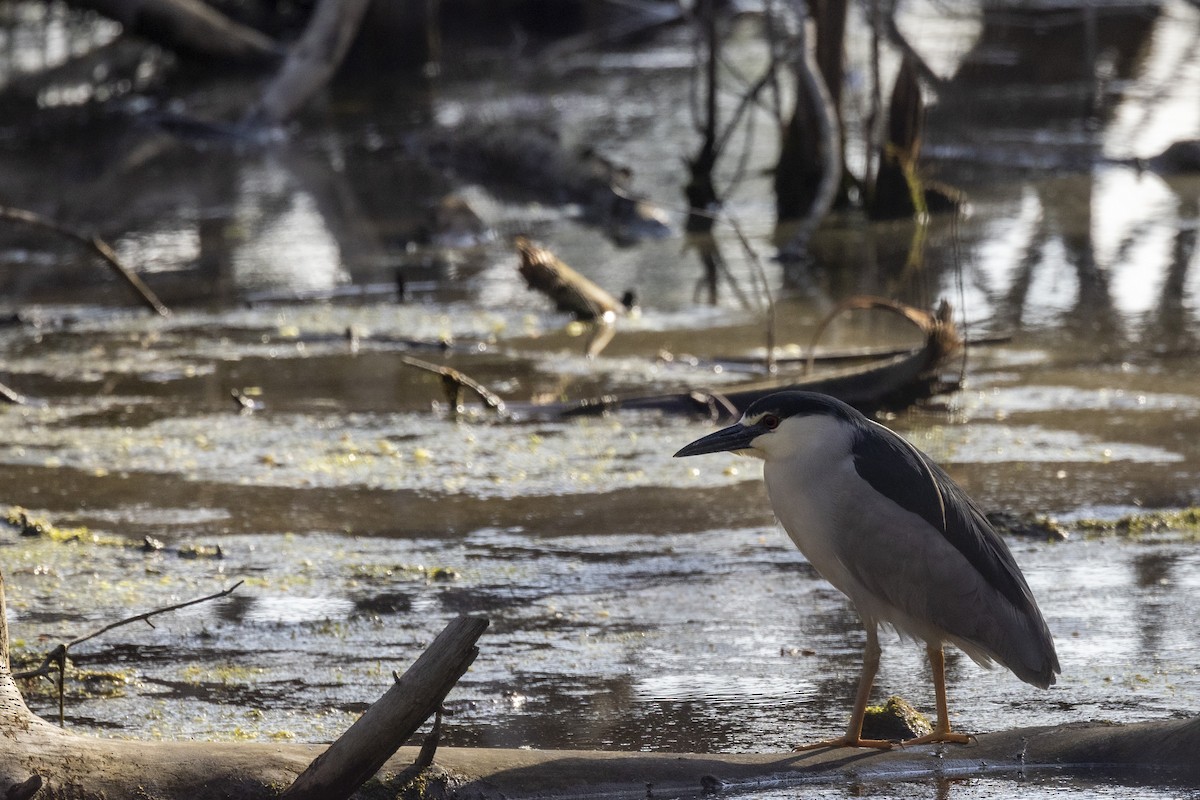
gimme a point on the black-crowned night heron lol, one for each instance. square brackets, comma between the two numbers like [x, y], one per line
[886, 526]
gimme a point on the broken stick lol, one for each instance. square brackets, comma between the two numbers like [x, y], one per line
[417, 694]
[570, 291]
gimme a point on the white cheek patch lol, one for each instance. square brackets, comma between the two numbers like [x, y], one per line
[815, 436]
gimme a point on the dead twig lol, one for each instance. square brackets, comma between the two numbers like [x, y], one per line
[56, 659]
[453, 382]
[98, 246]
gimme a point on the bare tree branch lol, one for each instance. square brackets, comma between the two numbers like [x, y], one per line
[56, 659]
[98, 246]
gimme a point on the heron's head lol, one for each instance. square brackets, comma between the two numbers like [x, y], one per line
[779, 425]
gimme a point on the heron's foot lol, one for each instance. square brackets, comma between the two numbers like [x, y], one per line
[846, 741]
[939, 737]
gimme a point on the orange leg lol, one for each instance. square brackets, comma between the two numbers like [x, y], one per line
[941, 731]
[866, 680]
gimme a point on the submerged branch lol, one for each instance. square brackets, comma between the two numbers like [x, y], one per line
[98, 246]
[454, 382]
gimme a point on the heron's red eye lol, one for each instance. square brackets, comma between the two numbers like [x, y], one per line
[769, 421]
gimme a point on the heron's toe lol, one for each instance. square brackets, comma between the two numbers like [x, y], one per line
[939, 737]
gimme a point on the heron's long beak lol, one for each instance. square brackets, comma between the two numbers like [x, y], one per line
[735, 437]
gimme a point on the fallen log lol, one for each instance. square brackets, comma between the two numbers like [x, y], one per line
[545, 272]
[887, 384]
[39, 756]
[883, 384]
[891, 384]
[1162, 750]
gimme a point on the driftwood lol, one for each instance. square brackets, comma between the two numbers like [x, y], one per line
[887, 378]
[892, 384]
[1163, 750]
[545, 272]
[374, 738]
[886, 384]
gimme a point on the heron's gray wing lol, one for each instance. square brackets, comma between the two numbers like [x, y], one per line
[900, 472]
[907, 477]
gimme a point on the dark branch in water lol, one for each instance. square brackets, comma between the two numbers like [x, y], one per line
[56, 659]
[454, 382]
[98, 246]
[938, 326]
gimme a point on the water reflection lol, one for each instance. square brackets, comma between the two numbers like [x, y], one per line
[1115, 252]
[1172, 329]
[1152, 575]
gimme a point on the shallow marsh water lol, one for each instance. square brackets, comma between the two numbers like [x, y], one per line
[636, 601]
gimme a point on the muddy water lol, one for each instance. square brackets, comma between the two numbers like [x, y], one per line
[636, 601]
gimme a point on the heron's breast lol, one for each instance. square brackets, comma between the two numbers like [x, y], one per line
[810, 499]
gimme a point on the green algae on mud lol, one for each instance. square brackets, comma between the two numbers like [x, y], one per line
[1171, 525]
[896, 720]
[1161, 525]
[78, 684]
[28, 525]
